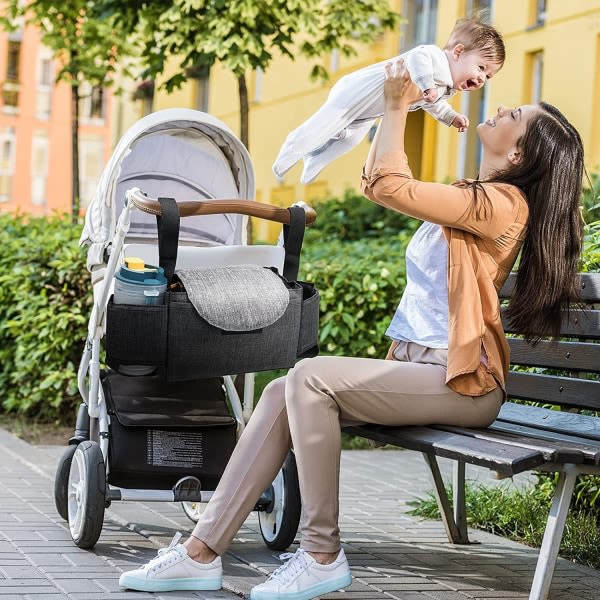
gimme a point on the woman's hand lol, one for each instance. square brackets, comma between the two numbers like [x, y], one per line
[398, 88]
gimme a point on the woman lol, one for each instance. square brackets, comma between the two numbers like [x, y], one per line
[449, 358]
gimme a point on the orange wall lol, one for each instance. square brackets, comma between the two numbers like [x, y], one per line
[58, 129]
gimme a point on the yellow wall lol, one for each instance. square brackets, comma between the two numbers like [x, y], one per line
[569, 40]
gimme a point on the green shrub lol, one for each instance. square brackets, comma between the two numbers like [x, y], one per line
[590, 261]
[45, 300]
[355, 218]
[360, 284]
[591, 199]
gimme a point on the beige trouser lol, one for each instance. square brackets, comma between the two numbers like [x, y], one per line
[305, 409]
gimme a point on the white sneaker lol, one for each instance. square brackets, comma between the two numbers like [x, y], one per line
[172, 570]
[303, 578]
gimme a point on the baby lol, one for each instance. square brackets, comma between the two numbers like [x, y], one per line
[474, 53]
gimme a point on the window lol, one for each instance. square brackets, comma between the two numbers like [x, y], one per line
[44, 84]
[475, 6]
[97, 102]
[536, 68]
[12, 61]
[259, 76]
[200, 75]
[7, 163]
[39, 168]
[334, 63]
[10, 88]
[475, 106]
[145, 92]
[91, 102]
[537, 12]
[421, 24]
[91, 163]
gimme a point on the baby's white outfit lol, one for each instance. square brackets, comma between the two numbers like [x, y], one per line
[352, 106]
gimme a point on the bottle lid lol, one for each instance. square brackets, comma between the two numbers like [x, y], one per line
[141, 276]
[134, 263]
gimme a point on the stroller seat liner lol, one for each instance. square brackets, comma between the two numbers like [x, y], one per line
[236, 297]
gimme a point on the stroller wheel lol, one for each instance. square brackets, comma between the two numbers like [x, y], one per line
[192, 510]
[279, 522]
[86, 494]
[61, 482]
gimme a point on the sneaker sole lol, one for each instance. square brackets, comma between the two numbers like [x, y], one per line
[313, 592]
[170, 585]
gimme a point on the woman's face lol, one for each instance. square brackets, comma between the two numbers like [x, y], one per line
[499, 134]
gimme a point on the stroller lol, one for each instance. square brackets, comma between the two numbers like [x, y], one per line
[161, 422]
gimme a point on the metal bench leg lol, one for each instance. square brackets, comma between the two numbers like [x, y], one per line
[459, 500]
[455, 521]
[553, 535]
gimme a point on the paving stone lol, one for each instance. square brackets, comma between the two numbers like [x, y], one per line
[393, 555]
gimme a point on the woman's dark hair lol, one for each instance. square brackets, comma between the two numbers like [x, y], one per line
[551, 175]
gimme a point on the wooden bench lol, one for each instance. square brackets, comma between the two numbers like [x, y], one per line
[555, 438]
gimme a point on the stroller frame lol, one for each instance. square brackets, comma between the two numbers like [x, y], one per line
[81, 489]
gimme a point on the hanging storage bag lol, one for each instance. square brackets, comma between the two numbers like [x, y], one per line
[219, 320]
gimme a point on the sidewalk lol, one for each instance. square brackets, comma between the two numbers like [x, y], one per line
[392, 555]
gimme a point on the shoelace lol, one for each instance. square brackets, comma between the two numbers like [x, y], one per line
[163, 557]
[294, 563]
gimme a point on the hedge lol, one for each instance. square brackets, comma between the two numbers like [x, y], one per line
[45, 301]
[46, 298]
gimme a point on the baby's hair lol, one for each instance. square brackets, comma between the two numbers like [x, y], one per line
[474, 34]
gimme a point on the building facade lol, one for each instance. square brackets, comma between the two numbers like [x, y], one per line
[35, 129]
[553, 54]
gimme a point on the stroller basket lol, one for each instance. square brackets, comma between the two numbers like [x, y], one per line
[162, 432]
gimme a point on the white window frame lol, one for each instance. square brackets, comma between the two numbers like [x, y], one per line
[427, 27]
[39, 141]
[537, 76]
[87, 182]
[8, 170]
[85, 105]
[44, 88]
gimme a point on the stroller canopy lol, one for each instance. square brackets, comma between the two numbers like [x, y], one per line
[178, 153]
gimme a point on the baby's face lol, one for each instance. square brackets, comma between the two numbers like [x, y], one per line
[470, 70]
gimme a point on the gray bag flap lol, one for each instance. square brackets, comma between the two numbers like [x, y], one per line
[236, 297]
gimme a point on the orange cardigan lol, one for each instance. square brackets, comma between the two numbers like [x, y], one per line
[481, 255]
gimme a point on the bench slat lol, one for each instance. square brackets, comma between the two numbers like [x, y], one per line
[507, 460]
[561, 422]
[590, 287]
[580, 324]
[575, 356]
[551, 389]
[552, 436]
[554, 451]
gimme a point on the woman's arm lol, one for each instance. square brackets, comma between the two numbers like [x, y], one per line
[399, 94]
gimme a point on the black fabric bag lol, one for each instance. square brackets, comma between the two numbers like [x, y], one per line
[182, 345]
[161, 432]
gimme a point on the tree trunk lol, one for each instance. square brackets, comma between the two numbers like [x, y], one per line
[244, 136]
[75, 153]
[244, 110]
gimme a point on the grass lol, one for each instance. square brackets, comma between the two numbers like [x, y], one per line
[520, 515]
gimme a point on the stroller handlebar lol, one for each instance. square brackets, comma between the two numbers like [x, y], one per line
[214, 207]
